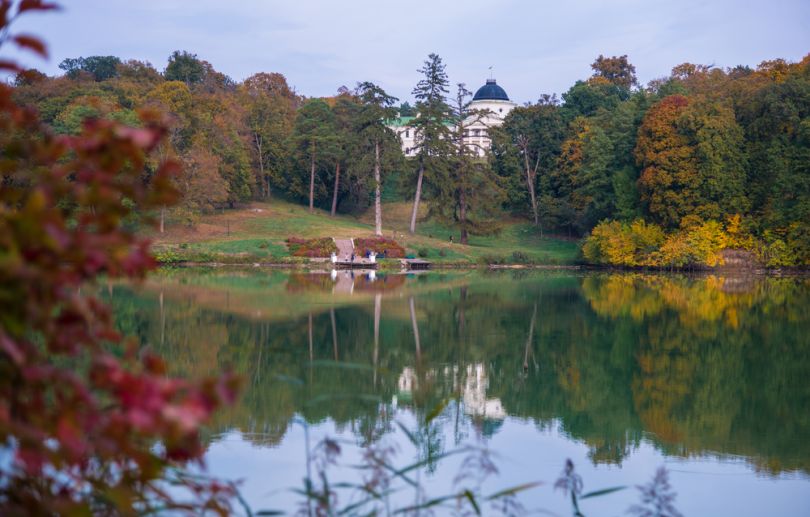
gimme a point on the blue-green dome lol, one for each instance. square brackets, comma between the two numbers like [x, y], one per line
[490, 92]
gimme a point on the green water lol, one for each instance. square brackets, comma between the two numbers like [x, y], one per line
[622, 373]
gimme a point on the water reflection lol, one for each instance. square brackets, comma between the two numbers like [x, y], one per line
[695, 367]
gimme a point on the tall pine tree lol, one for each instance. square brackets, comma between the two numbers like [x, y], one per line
[376, 108]
[433, 136]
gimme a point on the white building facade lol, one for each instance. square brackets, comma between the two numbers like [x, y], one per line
[490, 99]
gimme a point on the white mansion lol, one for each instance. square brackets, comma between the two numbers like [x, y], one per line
[489, 98]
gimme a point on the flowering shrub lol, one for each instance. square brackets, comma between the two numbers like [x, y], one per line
[322, 247]
[81, 409]
[379, 245]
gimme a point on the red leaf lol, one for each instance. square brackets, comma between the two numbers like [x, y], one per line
[6, 64]
[36, 5]
[31, 43]
[13, 351]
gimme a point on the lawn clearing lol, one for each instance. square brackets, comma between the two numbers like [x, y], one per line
[258, 233]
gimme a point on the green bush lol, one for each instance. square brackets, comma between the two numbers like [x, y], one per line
[168, 257]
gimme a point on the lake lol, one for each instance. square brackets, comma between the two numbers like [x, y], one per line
[708, 376]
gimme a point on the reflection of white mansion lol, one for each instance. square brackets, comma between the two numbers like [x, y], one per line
[489, 98]
[473, 390]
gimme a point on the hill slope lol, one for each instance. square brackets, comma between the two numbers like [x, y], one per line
[258, 233]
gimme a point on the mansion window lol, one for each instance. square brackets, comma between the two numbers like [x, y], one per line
[476, 132]
[407, 133]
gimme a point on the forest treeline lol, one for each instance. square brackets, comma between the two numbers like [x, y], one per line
[664, 174]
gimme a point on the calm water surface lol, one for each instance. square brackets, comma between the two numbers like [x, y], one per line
[621, 373]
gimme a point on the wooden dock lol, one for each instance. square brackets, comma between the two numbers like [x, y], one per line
[357, 263]
[416, 264]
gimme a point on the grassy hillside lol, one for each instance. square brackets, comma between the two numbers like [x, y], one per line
[257, 234]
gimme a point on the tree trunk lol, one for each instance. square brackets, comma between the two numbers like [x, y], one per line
[335, 193]
[462, 214]
[377, 193]
[312, 183]
[162, 218]
[416, 199]
[258, 141]
[530, 184]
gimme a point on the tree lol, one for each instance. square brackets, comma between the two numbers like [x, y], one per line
[100, 68]
[376, 107]
[668, 181]
[174, 98]
[29, 77]
[313, 134]
[406, 110]
[692, 161]
[201, 185]
[471, 197]
[616, 70]
[433, 136]
[345, 144]
[534, 135]
[270, 107]
[184, 66]
[587, 98]
[139, 72]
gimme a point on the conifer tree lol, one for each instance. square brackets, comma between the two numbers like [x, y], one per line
[376, 108]
[470, 197]
[433, 135]
[312, 135]
[345, 110]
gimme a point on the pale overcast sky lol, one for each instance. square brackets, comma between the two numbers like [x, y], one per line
[535, 46]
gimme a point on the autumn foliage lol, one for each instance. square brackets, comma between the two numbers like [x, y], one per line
[380, 245]
[90, 424]
[320, 247]
[696, 243]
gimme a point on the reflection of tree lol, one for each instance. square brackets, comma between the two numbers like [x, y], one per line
[708, 358]
[707, 365]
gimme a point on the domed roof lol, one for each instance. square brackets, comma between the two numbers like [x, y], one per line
[490, 92]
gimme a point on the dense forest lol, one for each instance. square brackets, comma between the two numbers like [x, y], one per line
[666, 174]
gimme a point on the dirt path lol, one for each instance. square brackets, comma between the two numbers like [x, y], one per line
[345, 248]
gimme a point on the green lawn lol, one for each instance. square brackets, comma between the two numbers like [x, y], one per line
[258, 234]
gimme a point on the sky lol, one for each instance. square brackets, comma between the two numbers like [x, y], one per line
[534, 46]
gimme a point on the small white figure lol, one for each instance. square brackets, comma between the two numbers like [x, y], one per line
[334, 257]
[372, 257]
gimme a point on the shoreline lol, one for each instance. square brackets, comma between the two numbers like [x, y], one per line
[754, 271]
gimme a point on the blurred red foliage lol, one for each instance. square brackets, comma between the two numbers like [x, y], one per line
[95, 426]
